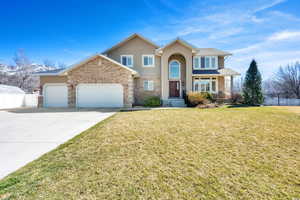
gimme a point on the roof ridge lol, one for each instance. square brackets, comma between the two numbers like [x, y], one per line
[128, 39]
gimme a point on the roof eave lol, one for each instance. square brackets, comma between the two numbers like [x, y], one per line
[64, 72]
[127, 39]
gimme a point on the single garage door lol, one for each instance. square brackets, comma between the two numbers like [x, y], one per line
[56, 95]
[99, 95]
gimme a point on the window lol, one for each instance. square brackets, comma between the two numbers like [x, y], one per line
[174, 70]
[205, 62]
[205, 85]
[127, 60]
[148, 85]
[148, 60]
[197, 62]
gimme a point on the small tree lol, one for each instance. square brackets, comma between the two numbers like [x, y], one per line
[252, 89]
[288, 80]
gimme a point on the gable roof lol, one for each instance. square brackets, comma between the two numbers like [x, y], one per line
[64, 72]
[53, 72]
[130, 38]
[179, 40]
[212, 52]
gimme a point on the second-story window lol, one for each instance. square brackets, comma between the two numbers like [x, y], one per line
[127, 60]
[197, 62]
[148, 60]
[205, 62]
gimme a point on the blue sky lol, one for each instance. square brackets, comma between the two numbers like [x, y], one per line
[68, 31]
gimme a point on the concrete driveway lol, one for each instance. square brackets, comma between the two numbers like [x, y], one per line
[26, 134]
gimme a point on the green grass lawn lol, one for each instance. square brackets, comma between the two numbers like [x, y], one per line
[225, 153]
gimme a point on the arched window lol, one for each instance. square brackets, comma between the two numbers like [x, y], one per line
[174, 70]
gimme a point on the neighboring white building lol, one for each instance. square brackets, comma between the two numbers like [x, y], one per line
[14, 97]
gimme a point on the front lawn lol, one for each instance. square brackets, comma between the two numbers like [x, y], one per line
[225, 153]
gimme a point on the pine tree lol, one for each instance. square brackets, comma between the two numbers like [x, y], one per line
[252, 90]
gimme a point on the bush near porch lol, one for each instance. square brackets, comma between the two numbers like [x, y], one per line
[152, 101]
[199, 98]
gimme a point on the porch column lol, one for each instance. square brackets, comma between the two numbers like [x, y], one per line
[164, 77]
[189, 71]
[231, 86]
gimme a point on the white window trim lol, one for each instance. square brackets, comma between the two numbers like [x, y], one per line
[194, 66]
[210, 58]
[210, 86]
[131, 56]
[149, 88]
[179, 70]
[148, 55]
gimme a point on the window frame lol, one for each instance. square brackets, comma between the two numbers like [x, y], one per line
[148, 88]
[127, 56]
[210, 79]
[194, 63]
[205, 67]
[153, 60]
[177, 78]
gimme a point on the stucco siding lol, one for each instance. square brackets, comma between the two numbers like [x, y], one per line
[138, 47]
[175, 48]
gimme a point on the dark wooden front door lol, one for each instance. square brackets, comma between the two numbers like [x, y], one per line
[174, 88]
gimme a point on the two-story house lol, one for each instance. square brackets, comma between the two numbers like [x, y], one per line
[134, 69]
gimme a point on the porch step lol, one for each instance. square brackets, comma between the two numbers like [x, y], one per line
[177, 103]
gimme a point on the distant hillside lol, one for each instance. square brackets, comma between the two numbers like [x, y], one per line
[12, 70]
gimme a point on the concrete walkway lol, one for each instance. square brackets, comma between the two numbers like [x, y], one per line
[26, 134]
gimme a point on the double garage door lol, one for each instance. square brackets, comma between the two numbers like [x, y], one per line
[87, 95]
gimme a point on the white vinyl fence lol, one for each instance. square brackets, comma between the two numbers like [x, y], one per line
[18, 100]
[274, 101]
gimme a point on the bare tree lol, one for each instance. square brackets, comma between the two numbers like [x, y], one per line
[288, 80]
[238, 85]
[61, 65]
[23, 78]
[49, 63]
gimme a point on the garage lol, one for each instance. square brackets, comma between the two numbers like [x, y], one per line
[55, 95]
[99, 95]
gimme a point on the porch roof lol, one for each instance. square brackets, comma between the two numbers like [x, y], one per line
[216, 72]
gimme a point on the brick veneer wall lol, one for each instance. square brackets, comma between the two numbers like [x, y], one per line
[100, 70]
[140, 95]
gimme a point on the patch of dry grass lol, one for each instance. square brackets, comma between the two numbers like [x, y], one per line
[294, 109]
[228, 153]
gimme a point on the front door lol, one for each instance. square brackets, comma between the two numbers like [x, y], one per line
[174, 88]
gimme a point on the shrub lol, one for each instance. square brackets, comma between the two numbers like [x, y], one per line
[237, 98]
[152, 101]
[196, 98]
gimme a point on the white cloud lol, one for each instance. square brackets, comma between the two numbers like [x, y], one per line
[225, 33]
[271, 37]
[269, 5]
[285, 35]
[284, 15]
[257, 20]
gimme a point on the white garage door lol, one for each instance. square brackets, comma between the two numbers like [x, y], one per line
[99, 95]
[56, 95]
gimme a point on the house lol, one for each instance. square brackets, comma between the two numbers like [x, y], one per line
[134, 69]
